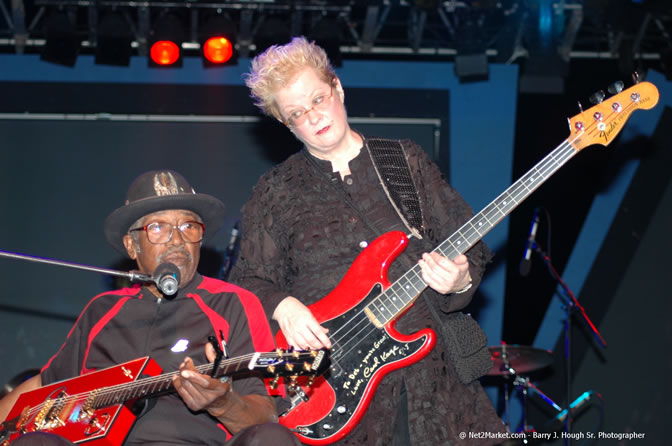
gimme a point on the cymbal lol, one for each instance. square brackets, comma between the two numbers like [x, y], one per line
[518, 359]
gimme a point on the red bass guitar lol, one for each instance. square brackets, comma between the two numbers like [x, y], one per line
[96, 408]
[360, 312]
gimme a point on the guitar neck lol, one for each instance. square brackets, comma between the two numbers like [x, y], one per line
[389, 304]
[154, 385]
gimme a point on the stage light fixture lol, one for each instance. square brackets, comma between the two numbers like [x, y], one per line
[217, 37]
[165, 41]
[471, 61]
[113, 40]
[62, 43]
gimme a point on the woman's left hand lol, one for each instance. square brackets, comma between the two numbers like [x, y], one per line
[444, 275]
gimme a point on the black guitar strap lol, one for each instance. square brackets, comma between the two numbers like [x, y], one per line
[394, 173]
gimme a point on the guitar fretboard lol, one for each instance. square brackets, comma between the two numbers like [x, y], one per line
[145, 387]
[389, 304]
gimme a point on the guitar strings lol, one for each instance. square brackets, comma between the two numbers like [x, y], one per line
[362, 318]
[546, 167]
[134, 385]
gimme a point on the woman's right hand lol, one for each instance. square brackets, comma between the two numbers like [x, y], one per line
[299, 326]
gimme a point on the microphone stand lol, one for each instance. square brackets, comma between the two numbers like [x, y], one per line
[133, 276]
[572, 306]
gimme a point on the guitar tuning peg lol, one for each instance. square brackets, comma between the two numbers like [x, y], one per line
[597, 97]
[616, 87]
[311, 379]
[274, 383]
[292, 383]
[307, 367]
[580, 106]
[635, 77]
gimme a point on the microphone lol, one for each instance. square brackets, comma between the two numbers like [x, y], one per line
[229, 253]
[526, 262]
[232, 240]
[574, 410]
[167, 278]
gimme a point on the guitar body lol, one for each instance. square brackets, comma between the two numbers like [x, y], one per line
[365, 352]
[73, 418]
[97, 408]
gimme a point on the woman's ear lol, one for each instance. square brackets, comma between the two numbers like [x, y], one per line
[339, 89]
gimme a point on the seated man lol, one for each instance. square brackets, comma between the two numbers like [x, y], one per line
[164, 220]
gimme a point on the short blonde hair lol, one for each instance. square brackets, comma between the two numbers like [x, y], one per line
[278, 65]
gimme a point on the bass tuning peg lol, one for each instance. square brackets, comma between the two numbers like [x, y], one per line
[597, 97]
[616, 87]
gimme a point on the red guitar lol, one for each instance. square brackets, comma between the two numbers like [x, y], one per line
[82, 410]
[360, 312]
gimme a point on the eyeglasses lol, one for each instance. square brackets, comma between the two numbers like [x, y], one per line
[321, 102]
[159, 232]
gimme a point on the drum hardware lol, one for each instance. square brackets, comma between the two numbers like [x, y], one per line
[511, 361]
[518, 359]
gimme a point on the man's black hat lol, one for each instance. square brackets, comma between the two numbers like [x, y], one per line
[161, 190]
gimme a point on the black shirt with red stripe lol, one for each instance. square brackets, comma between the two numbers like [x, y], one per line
[118, 326]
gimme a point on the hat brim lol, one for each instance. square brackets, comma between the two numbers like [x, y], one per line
[210, 209]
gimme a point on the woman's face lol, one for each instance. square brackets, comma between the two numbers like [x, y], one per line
[314, 112]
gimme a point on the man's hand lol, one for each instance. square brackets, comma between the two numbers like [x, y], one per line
[299, 326]
[444, 275]
[199, 391]
[234, 411]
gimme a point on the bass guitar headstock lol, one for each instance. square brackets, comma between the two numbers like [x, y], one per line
[292, 364]
[601, 123]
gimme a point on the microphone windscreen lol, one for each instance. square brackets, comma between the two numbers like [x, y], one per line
[167, 278]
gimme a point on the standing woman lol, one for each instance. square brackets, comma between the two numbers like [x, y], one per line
[307, 221]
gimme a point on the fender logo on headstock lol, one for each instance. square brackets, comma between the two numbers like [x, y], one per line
[601, 123]
[613, 126]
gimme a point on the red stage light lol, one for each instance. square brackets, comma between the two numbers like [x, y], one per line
[218, 50]
[164, 52]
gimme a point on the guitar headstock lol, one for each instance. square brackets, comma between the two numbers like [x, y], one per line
[601, 123]
[292, 362]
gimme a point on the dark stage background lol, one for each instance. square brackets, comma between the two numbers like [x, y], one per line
[67, 164]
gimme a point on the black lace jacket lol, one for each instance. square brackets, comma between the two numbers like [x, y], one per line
[299, 238]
